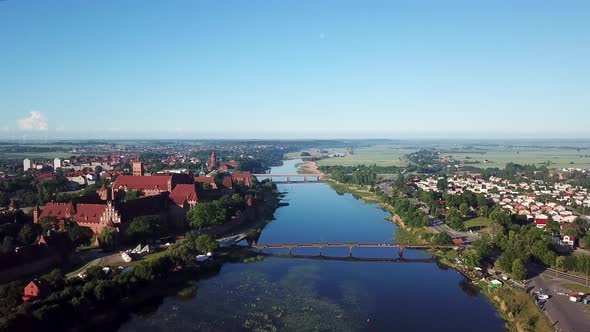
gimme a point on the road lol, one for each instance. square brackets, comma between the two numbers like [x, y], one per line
[438, 226]
[564, 315]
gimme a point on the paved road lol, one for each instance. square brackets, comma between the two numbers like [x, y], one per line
[539, 269]
[564, 315]
[439, 226]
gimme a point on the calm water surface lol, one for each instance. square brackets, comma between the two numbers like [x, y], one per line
[303, 294]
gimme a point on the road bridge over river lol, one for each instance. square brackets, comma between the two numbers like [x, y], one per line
[351, 245]
[298, 178]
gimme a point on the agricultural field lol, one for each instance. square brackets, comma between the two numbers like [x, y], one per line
[381, 155]
[550, 157]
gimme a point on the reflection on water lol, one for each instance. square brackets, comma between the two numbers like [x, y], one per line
[282, 294]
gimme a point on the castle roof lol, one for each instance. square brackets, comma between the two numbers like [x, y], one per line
[184, 192]
[163, 183]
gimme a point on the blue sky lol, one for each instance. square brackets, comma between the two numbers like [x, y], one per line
[294, 69]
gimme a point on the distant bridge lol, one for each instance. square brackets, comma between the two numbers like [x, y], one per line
[351, 245]
[305, 177]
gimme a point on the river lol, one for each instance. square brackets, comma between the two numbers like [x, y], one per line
[304, 294]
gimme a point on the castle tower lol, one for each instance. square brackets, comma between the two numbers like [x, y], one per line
[137, 168]
[36, 213]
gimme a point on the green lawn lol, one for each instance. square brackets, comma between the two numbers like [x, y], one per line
[477, 222]
[576, 288]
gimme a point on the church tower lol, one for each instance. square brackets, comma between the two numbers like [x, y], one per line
[212, 162]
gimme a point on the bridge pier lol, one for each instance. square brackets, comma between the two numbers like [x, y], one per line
[305, 179]
[288, 180]
[400, 251]
[350, 251]
[290, 250]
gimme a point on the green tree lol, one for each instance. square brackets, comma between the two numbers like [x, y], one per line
[442, 238]
[207, 214]
[143, 229]
[108, 238]
[518, 269]
[442, 184]
[205, 244]
[472, 258]
[552, 226]
[55, 279]
[484, 211]
[29, 233]
[133, 194]
[80, 235]
[464, 209]
[560, 262]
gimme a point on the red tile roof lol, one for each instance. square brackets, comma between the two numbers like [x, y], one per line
[227, 182]
[184, 192]
[89, 213]
[161, 183]
[242, 177]
[541, 221]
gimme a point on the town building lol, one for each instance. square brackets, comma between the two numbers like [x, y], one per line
[27, 165]
[34, 290]
[57, 163]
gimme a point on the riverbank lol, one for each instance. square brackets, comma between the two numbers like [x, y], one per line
[515, 306]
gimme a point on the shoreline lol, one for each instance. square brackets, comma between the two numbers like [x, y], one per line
[500, 304]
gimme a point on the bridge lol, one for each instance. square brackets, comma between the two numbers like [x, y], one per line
[305, 177]
[354, 259]
[350, 245]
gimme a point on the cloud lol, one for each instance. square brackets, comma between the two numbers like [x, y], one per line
[60, 128]
[35, 122]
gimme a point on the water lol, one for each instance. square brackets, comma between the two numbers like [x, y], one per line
[304, 294]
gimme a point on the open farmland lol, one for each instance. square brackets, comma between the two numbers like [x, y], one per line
[381, 155]
[550, 157]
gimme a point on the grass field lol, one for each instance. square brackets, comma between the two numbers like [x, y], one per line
[576, 288]
[550, 157]
[36, 155]
[477, 222]
[381, 155]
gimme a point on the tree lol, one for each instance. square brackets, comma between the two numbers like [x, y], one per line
[518, 269]
[472, 258]
[47, 223]
[144, 228]
[442, 184]
[559, 262]
[207, 214]
[205, 244]
[552, 226]
[133, 194]
[484, 211]
[80, 235]
[442, 238]
[29, 233]
[108, 238]
[464, 209]
[55, 279]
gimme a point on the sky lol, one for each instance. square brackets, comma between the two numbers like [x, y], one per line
[294, 69]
